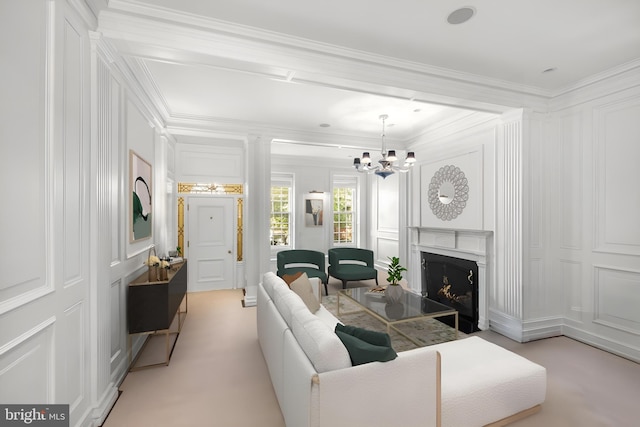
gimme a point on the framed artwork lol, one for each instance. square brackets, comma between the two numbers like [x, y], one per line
[141, 206]
[313, 212]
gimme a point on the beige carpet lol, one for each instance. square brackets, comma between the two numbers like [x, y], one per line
[218, 377]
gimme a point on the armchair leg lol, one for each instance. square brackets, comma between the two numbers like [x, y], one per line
[344, 284]
[377, 282]
[326, 290]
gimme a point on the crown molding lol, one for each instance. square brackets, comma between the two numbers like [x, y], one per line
[621, 78]
[121, 69]
[170, 31]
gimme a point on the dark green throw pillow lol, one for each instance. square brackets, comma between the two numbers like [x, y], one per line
[372, 337]
[362, 352]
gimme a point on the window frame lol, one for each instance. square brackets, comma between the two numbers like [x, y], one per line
[341, 182]
[286, 181]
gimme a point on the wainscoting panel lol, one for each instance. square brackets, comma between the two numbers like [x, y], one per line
[74, 214]
[194, 163]
[73, 331]
[387, 248]
[116, 322]
[28, 361]
[570, 183]
[614, 289]
[536, 298]
[387, 211]
[24, 226]
[572, 285]
[617, 207]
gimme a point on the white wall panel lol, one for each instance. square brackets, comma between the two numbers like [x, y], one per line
[571, 288]
[387, 248]
[388, 207]
[117, 173]
[73, 162]
[116, 319]
[26, 366]
[617, 298]
[617, 173]
[73, 334]
[208, 164]
[24, 158]
[569, 184]
[535, 296]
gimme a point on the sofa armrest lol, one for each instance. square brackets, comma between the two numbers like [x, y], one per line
[403, 392]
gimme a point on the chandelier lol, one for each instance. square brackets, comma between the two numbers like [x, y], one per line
[388, 161]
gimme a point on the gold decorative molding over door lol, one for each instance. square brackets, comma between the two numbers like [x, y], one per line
[199, 188]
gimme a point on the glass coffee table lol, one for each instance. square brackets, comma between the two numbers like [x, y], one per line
[409, 308]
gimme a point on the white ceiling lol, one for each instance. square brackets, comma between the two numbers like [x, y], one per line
[226, 65]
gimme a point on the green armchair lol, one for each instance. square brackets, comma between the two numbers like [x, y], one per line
[347, 264]
[311, 262]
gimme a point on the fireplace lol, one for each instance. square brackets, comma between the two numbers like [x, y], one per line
[453, 282]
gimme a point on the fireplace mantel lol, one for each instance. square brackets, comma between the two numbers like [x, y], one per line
[474, 245]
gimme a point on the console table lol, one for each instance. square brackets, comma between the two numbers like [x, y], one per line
[152, 308]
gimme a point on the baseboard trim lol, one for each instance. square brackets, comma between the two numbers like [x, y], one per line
[602, 343]
[505, 325]
[104, 407]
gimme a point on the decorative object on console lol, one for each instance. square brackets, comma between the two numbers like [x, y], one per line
[448, 192]
[387, 163]
[153, 262]
[394, 291]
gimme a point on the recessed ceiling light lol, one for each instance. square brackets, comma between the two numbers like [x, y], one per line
[550, 70]
[417, 110]
[460, 16]
[324, 125]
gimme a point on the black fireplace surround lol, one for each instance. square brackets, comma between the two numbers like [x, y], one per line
[453, 282]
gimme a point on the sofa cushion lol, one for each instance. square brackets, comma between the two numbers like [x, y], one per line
[270, 281]
[302, 287]
[480, 373]
[372, 337]
[287, 302]
[318, 341]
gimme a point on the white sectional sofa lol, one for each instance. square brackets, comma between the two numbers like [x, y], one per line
[466, 383]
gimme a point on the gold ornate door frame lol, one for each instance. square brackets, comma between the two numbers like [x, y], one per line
[213, 189]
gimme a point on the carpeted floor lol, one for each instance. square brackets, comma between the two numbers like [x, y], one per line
[425, 331]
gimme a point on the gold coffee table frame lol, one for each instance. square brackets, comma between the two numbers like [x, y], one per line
[413, 311]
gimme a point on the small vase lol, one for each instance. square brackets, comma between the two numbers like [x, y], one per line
[394, 293]
[153, 273]
[163, 274]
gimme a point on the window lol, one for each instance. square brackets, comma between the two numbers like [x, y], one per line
[280, 221]
[344, 212]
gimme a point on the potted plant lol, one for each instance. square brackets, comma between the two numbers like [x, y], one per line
[394, 291]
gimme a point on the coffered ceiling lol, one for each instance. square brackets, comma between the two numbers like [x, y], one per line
[323, 72]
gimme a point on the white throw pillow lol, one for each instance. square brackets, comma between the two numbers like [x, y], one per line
[302, 287]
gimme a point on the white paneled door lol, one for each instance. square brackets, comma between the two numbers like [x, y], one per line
[211, 244]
